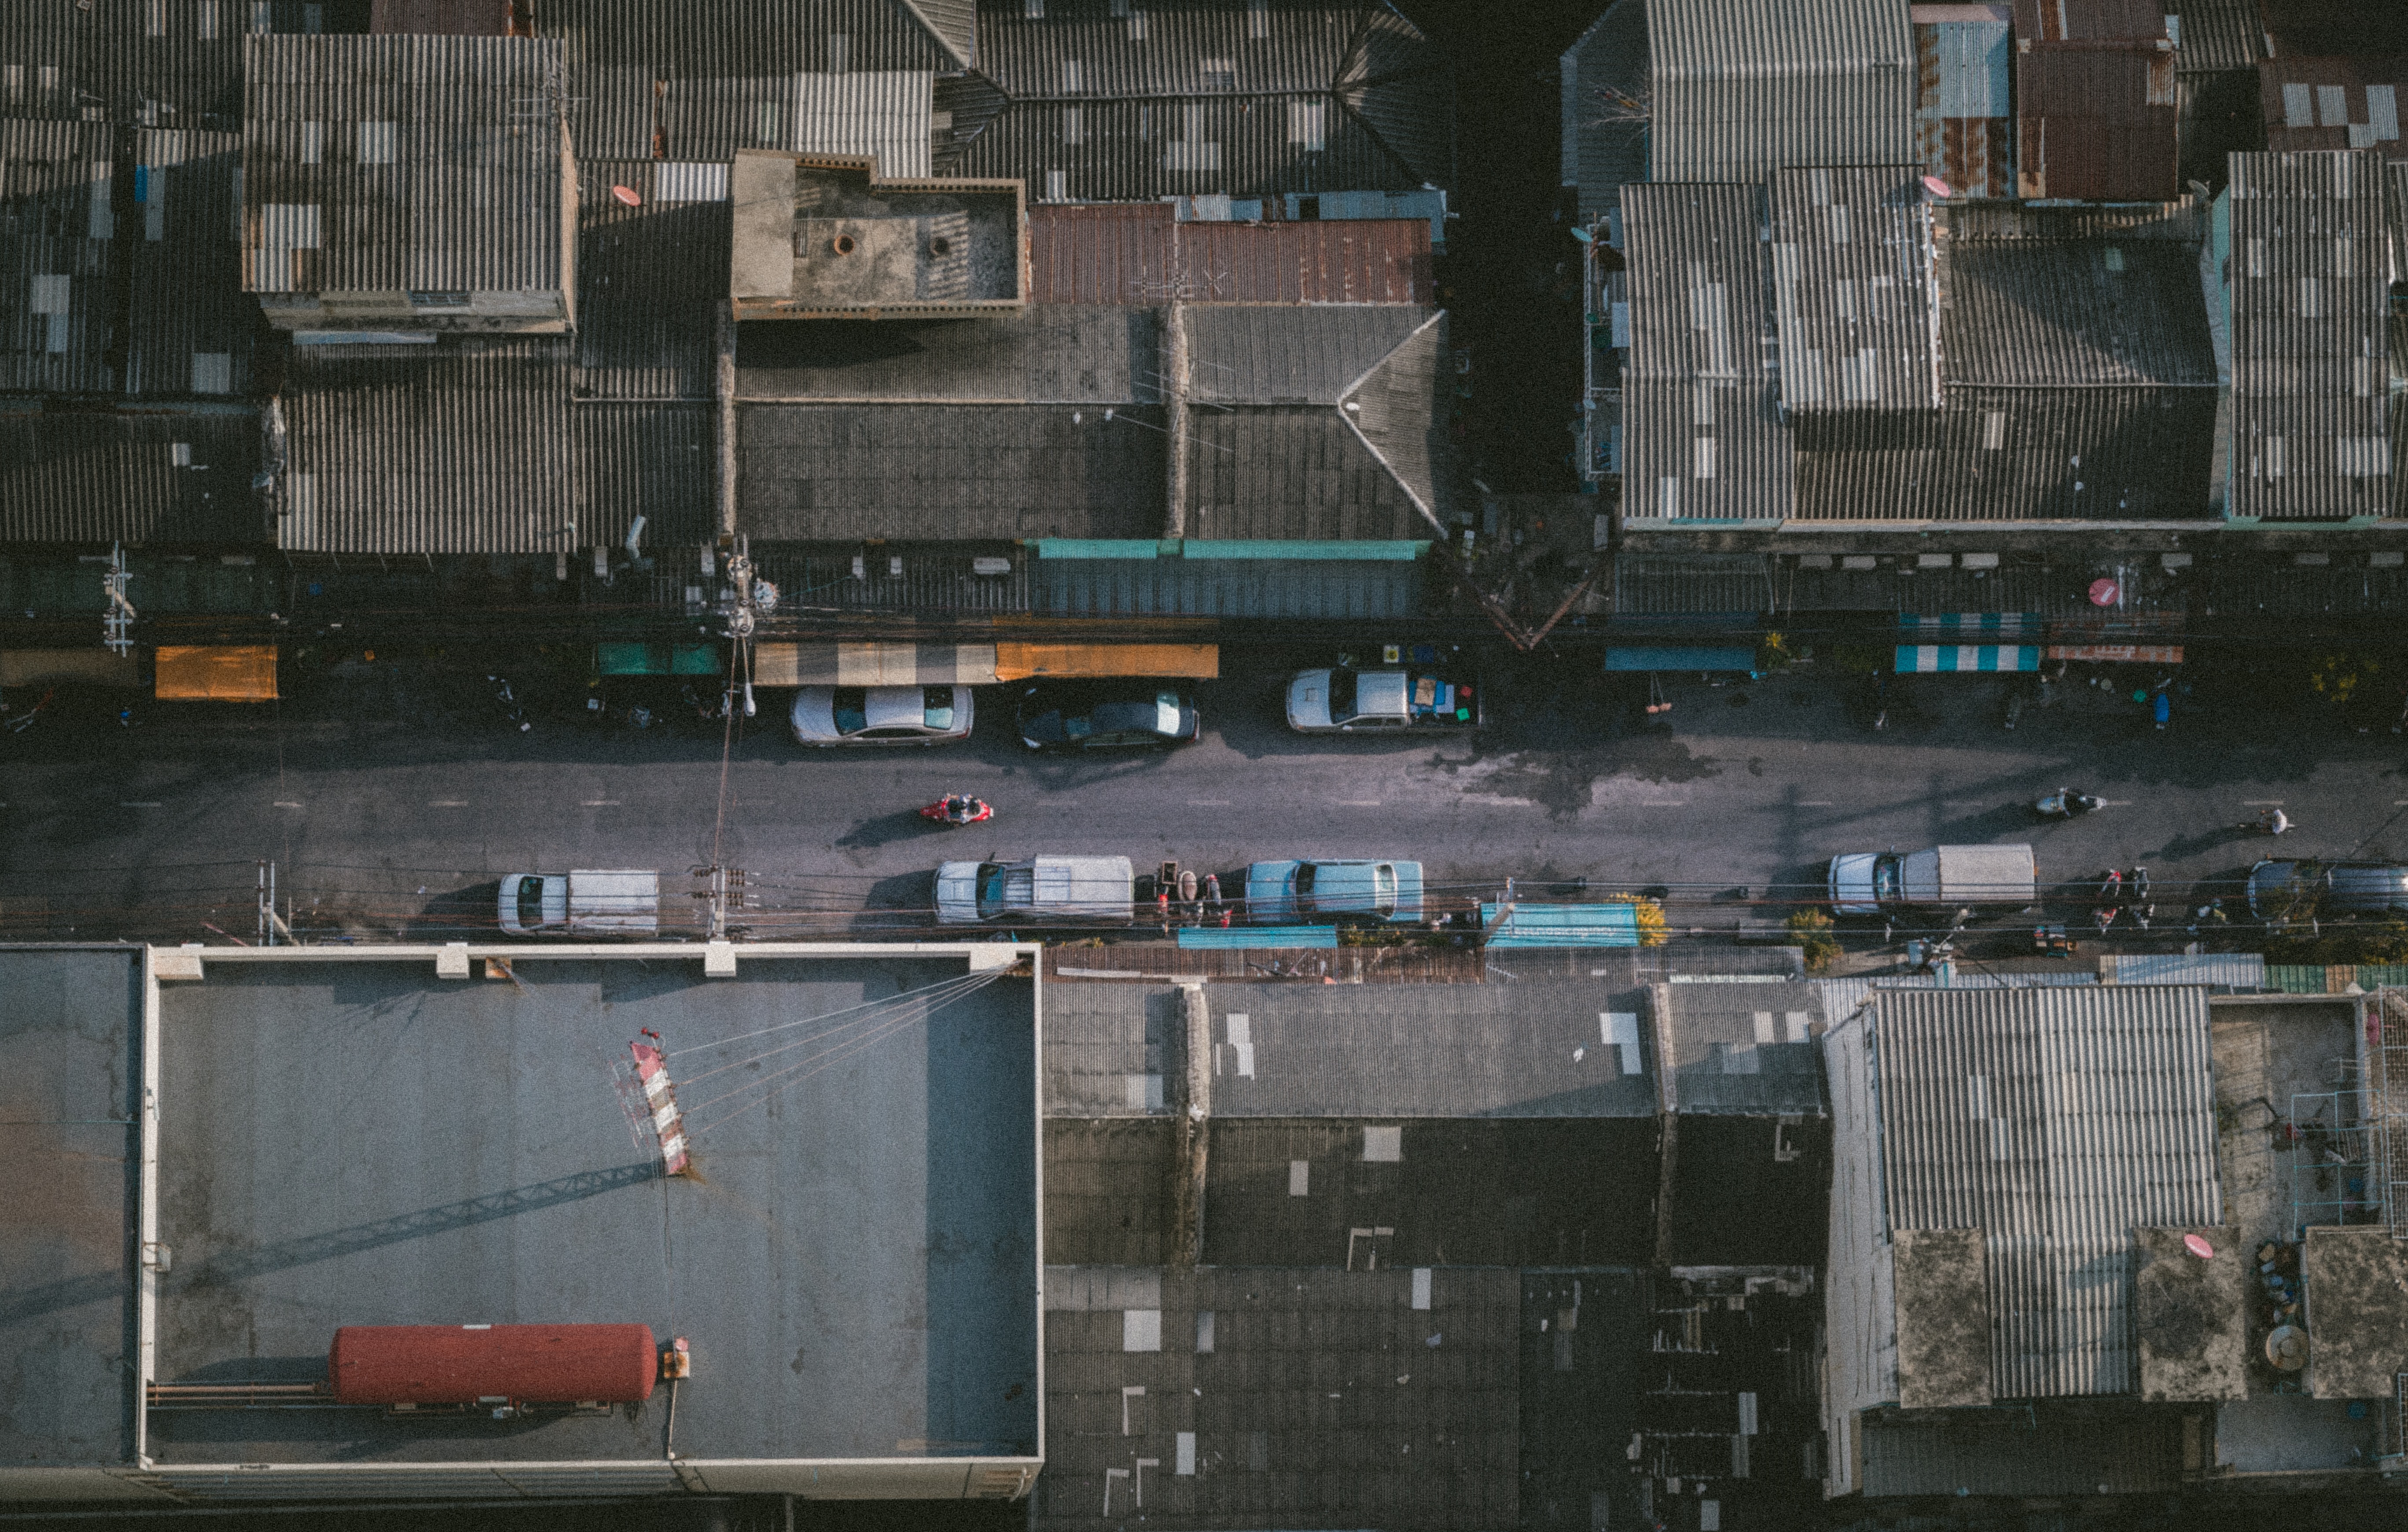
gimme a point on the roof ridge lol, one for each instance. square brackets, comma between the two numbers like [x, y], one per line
[1347, 394]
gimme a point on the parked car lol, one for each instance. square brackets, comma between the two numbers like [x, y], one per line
[1307, 890]
[882, 715]
[2280, 890]
[1039, 888]
[620, 903]
[1105, 715]
[1348, 701]
[1943, 876]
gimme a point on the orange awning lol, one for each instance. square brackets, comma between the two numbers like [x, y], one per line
[1026, 662]
[217, 673]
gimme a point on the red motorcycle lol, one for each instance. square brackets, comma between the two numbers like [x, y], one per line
[958, 808]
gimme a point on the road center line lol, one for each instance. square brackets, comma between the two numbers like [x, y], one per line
[1209, 803]
[285, 803]
[1358, 803]
[601, 803]
[1816, 803]
[447, 803]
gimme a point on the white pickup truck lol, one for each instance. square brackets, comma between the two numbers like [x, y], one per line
[621, 903]
[1943, 876]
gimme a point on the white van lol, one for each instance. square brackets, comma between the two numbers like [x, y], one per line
[623, 903]
[1101, 889]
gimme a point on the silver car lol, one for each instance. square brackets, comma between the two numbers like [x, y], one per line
[882, 715]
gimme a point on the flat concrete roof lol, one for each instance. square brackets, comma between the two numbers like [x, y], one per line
[69, 1029]
[853, 1258]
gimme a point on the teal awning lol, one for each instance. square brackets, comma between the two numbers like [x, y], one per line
[1613, 925]
[1683, 657]
[635, 658]
[1925, 659]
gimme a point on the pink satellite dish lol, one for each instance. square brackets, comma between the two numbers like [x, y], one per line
[2199, 1247]
[628, 195]
[1937, 187]
[2103, 593]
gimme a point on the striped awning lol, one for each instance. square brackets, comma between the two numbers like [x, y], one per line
[1923, 659]
[873, 664]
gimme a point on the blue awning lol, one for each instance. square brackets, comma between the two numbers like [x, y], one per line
[1683, 657]
[1258, 936]
[1921, 659]
[1614, 924]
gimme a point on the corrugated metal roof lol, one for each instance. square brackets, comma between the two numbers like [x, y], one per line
[402, 164]
[1703, 437]
[102, 475]
[824, 472]
[455, 18]
[463, 447]
[2231, 970]
[1092, 52]
[2333, 102]
[1053, 354]
[1853, 303]
[2142, 1453]
[1403, 89]
[649, 278]
[1964, 116]
[1692, 584]
[193, 325]
[1141, 253]
[650, 459]
[1604, 77]
[170, 66]
[2309, 289]
[883, 114]
[2056, 1121]
[1741, 1048]
[2017, 455]
[728, 62]
[2095, 108]
[1271, 355]
[2042, 308]
[1358, 590]
[43, 45]
[57, 218]
[1742, 88]
[2214, 36]
[1136, 151]
[1290, 472]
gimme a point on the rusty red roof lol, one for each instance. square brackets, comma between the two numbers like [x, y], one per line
[2333, 102]
[1140, 254]
[2093, 101]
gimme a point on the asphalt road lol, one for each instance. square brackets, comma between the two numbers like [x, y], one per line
[398, 798]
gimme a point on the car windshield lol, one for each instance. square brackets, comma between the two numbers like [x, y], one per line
[1341, 696]
[990, 887]
[1125, 718]
[1304, 871]
[852, 710]
[939, 702]
[530, 901]
[1885, 878]
[1383, 888]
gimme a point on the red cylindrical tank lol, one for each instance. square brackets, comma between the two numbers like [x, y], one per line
[463, 1364]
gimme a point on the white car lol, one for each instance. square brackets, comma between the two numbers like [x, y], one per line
[882, 715]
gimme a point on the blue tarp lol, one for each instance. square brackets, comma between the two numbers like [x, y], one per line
[1561, 924]
[1258, 936]
[1683, 657]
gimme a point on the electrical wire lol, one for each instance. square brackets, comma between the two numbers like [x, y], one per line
[770, 1084]
[958, 980]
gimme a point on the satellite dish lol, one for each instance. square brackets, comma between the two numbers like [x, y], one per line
[1937, 187]
[628, 195]
[2199, 1247]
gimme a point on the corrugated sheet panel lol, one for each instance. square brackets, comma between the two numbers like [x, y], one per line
[154, 476]
[1703, 437]
[1742, 88]
[2056, 1121]
[884, 113]
[1290, 472]
[193, 327]
[953, 24]
[619, 50]
[2094, 106]
[648, 459]
[2333, 102]
[455, 18]
[1272, 355]
[2309, 289]
[2214, 36]
[403, 164]
[1402, 87]
[168, 64]
[1964, 112]
[649, 278]
[938, 472]
[43, 44]
[1994, 1456]
[1318, 589]
[2233, 970]
[1096, 49]
[459, 449]
[1141, 254]
[1692, 584]
[1603, 78]
[2016, 455]
[1136, 151]
[57, 217]
[2036, 311]
[2265, 588]
[1853, 303]
[1859, 1295]
[1841, 996]
[1400, 410]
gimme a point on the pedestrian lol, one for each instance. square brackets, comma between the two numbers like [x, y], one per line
[2274, 821]
[2164, 709]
